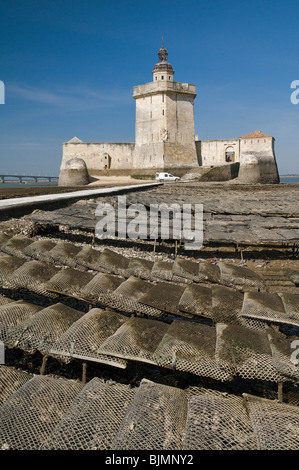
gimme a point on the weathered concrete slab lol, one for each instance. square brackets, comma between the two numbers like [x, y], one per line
[237, 216]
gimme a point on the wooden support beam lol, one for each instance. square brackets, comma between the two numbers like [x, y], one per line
[84, 368]
[280, 392]
[43, 366]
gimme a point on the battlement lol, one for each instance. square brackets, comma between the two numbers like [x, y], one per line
[161, 86]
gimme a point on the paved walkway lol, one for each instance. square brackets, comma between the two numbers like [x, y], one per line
[13, 203]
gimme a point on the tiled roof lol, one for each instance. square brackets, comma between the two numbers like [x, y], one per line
[254, 135]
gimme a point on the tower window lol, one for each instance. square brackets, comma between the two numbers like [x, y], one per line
[162, 77]
[162, 112]
[169, 78]
[156, 78]
[163, 98]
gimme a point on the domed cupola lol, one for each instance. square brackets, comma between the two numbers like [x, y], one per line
[163, 70]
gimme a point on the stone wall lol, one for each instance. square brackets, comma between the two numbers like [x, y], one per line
[164, 124]
[226, 172]
[213, 152]
[255, 155]
[97, 156]
[257, 161]
[149, 156]
[178, 155]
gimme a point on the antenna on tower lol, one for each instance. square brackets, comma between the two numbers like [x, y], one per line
[162, 42]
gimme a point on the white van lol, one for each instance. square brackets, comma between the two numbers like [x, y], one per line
[166, 177]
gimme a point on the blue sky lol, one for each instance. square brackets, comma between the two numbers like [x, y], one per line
[69, 67]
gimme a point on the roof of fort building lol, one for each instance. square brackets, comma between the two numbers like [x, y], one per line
[254, 135]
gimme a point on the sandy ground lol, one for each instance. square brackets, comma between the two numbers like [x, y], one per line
[118, 181]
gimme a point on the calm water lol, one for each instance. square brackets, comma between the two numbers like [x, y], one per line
[29, 184]
[286, 179]
[32, 184]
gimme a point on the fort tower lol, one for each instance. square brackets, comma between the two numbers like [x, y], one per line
[164, 127]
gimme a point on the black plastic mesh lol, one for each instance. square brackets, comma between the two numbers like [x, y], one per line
[10, 380]
[208, 272]
[284, 356]
[109, 261]
[29, 415]
[141, 268]
[100, 288]
[32, 276]
[83, 339]
[8, 264]
[16, 245]
[218, 423]
[113, 262]
[93, 419]
[5, 300]
[246, 351]
[239, 276]
[64, 254]
[190, 347]
[69, 282]
[185, 269]
[88, 258]
[126, 296]
[12, 314]
[291, 307]
[162, 270]
[155, 419]
[39, 250]
[253, 323]
[197, 300]
[137, 339]
[266, 307]
[276, 425]
[42, 329]
[227, 305]
[164, 297]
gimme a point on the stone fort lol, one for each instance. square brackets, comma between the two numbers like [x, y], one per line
[165, 141]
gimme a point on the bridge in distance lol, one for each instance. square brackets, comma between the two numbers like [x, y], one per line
[23, 178]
